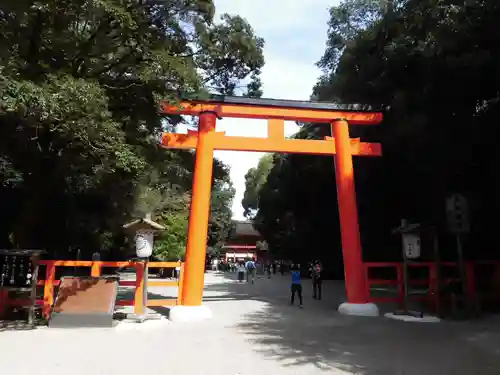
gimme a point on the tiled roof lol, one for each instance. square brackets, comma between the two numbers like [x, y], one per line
[244, 228]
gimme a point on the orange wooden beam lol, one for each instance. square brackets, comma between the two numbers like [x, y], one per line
[276, 129]
[90, 263]
[271, 112]
[298, 146]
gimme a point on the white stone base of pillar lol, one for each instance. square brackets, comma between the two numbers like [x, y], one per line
[189, 314]
[358, 309]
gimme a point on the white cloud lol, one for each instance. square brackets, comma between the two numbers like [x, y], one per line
[295, 35]
[269, 16]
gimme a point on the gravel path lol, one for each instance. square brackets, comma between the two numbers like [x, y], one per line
[255, 331]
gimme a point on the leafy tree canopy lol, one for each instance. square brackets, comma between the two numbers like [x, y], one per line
[254, 179]
[80, 83]
[431, 64]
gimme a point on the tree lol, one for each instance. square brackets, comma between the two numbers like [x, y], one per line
[80, 84]
[171, 243]
[429, 65]
[254, 179]
[296, 208]
[170, 205]
[411, 60]
[221, 214]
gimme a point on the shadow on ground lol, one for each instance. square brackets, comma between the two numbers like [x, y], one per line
[17, 325]
[317, 335]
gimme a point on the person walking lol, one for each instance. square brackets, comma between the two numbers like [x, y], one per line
[215, 264]
[178, 270]
[317, 279]
[296, 287]
[268, 269]
[241, 269]
[282, 268]
[250, 267]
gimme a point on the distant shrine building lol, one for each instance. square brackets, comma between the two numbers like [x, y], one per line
[244, 242]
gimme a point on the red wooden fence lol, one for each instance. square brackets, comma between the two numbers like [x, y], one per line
[430, 283]
[50, 282]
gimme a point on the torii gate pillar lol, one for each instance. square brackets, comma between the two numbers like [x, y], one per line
[355, 277]
[191, 308]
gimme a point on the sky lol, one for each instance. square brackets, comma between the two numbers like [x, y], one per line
[295, 35]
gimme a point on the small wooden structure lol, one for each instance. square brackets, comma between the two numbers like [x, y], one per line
[19, 274]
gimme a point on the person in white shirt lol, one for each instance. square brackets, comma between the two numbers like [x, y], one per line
[177, 271]
[240, 267]
[215, 264]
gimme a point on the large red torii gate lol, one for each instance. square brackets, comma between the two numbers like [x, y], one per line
[205, 140]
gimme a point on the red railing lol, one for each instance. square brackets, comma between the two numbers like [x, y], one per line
[50, 282]
[430, 282]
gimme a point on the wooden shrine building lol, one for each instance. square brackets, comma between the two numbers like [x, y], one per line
[243, 243]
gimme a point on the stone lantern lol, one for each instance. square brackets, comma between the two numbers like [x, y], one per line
[410, 240]
[144, 230]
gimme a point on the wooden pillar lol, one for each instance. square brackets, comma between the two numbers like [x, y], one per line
[194, 268]
[139, 307]
[355, 277]
[96, 269]
[48, 289]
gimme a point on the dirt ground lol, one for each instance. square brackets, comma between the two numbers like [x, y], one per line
[255, 331]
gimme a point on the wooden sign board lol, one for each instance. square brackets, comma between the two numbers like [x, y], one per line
[411, 245]
[457, 212]
[85, 302]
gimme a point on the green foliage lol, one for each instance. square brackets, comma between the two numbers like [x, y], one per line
[174, 215]
[223, 67]
[221, 213]
[170, 245]
[431, 64]
[254, 180]
[80, 83]
[347, 21]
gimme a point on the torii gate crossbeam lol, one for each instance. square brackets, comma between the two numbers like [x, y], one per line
[205, 140]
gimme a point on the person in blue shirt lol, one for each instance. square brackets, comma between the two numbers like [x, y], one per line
[296, 286]
[250, 266]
